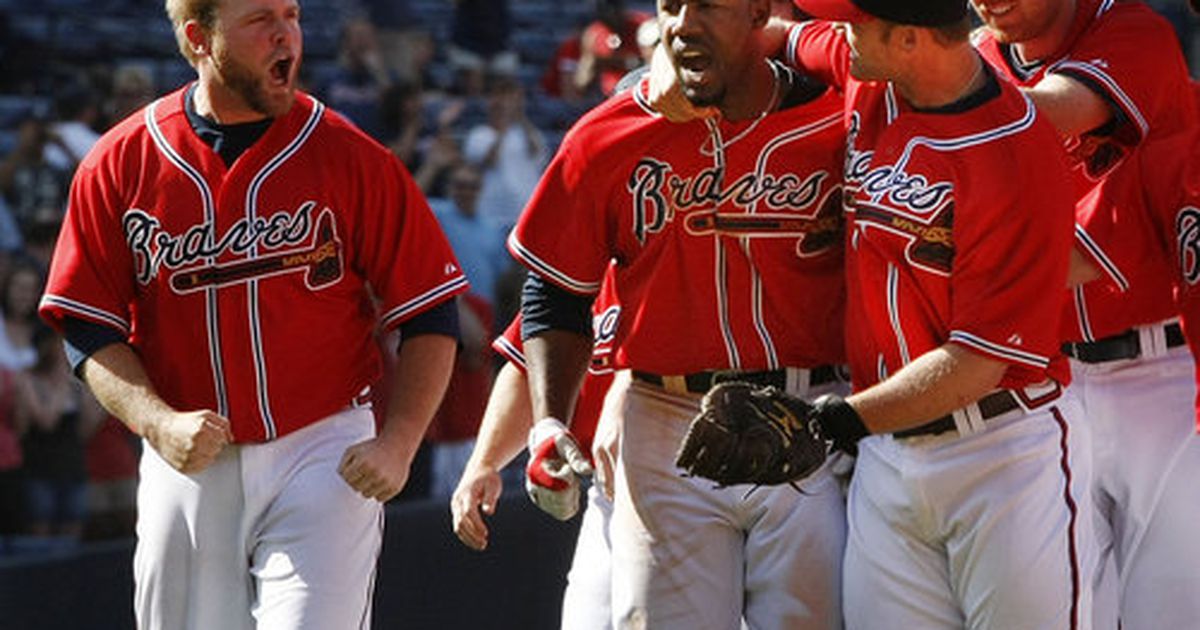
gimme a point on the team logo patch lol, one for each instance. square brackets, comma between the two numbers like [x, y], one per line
[789, 202]
[887, 196]
[1187, 241]
[320, 260]
[1098, 155]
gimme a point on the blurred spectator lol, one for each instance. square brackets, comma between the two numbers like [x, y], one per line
[12, 498]
[18, 303]
[112, 459]
[34, 189]
[479, 245]
[478, 241]
[609, 46]
[78, 110]
[132, 89]
[510, 152]
[10, 232]
[405, 43]
[356, 87]
[402, 122]
[433, 171]
[59, 416]
[559, 78]
[479, 39]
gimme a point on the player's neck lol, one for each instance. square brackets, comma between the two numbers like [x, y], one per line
[760, 96]
[221, 105]
[943, 80]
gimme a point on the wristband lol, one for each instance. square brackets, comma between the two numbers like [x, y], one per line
[840, 422]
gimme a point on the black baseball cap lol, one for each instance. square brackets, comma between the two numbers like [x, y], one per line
[913, 12]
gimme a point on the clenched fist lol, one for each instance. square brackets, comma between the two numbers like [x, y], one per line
[189, 440]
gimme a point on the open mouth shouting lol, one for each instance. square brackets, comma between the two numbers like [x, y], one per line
[693, 63]
[280, 72]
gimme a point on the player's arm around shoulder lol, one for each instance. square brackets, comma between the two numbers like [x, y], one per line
[378, 467]
[187, 440]
[1072, 107]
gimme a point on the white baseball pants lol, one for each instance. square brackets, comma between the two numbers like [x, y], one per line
[688, 556]
[268, 537]
[986, 531]
[1147, 493]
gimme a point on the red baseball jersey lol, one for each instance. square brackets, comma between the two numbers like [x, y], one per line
[605, 315]
[244, 289]
[726, 235]
[1170, 180]
[1130, 56]
[957, 224]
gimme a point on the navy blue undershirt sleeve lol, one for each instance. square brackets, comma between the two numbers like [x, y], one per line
[439, 320]
[545, 306]
[82, 339]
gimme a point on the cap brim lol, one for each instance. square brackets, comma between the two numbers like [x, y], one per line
[834, 10]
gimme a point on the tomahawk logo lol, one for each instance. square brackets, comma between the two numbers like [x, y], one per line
[1187, 234]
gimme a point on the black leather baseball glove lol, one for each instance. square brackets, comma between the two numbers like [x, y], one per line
[748, 434]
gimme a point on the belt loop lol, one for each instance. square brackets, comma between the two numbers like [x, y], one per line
[797, 381]
[1153, 340]
[675, 384]
[968, 420]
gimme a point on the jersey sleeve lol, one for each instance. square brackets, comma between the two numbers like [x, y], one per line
[92, 274]
[401, 249]
[1012, 245]
[818, 50]
[509, 345]
[564, 235]
[1133, 61]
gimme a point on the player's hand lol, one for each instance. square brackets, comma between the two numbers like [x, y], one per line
[666, 96]
[476, 496]
[555, 464]
[374, 470]
[191, 440]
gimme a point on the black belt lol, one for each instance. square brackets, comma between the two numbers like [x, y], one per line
[990, 406]
[1126, 345]
[701, 382]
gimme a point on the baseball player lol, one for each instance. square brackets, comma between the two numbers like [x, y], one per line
[211, 278]
[969, 505]
[586, 602]
[1111, 77]
[1167, 172]
[727, 244]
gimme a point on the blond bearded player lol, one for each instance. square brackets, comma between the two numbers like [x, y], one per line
[210, 278]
